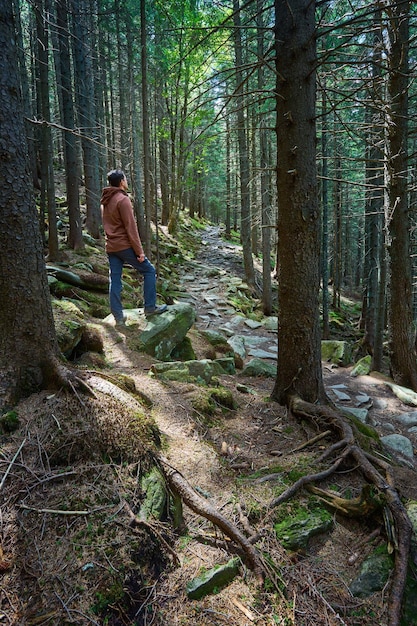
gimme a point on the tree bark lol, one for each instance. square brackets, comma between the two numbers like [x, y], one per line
[299, 348]
[28, 347]
[245, 212]
[403, 356]
[72, 167]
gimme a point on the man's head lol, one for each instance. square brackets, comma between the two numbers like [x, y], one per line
[115, 177]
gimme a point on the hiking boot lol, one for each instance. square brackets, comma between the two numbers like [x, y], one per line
[156, 311]
[122, 322]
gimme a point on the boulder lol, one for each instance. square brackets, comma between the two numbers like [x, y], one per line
[338, 352]
[257, 367]
[190, 371]
[399, 443]
[166, 331]
[69, 325]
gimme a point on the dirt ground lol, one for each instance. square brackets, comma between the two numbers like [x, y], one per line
[70, 554]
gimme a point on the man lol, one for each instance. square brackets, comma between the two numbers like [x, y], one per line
[124, 247]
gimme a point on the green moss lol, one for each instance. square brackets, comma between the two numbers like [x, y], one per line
[9, 422]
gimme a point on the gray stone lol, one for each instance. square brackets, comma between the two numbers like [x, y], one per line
[186, 371]
[340, 395]
[399, 443]
[390, 428]
[214, 338]
[262, 354]
[406, 419]
[360, 414]
[374, 574]
[69, 325]
[258, 367]
[270, 323]
[252, 323]
[237, 344]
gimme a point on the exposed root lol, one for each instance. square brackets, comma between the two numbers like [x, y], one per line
[328, 417]
[199, 505]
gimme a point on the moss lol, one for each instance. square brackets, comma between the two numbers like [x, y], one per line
[207, 401]
[9, 422]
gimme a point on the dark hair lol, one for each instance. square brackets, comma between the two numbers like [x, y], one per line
[115, 177]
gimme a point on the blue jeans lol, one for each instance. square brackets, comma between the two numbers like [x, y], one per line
[116, 262]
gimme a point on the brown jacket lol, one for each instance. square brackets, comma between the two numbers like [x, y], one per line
[119, 221]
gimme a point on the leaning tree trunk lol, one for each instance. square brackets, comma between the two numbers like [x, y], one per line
[299, 349]
[28, 346]
[403, 357]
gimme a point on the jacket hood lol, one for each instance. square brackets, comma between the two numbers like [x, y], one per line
[109, 192]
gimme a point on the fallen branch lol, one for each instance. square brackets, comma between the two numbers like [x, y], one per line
[199, 505]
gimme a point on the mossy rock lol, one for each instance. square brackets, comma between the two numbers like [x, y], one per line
[295, 532]
[9, 422]
[207, 401]
[362, 367]
[154, 488]
[337, 352]
[213, 580]
[374, 573]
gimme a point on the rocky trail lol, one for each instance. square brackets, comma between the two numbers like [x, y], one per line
[85, 568]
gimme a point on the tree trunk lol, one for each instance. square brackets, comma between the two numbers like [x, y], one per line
[264, 166]
[299, 349]
[28, 346]
[85, 98]
[147, 169]
[403, 357]
[46, 150]
[72, 168]
[245, 213]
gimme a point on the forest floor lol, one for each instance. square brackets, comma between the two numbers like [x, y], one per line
[52, 562]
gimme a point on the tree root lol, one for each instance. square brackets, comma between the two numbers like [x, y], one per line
[328, 417]
[199, 505]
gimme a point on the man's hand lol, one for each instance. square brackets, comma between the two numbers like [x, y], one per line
[141, 258]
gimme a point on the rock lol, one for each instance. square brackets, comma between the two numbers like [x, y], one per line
[189, 371]
[263, 354]
[360, 414]
[215, 338]
[69, 325]
[340, 395]
[362, 367]
[406, 419]
[237, 344]
[374, 574]
[252, 323]
[257, 367]
[164, 332]
[154, 487]
[338, 352]
[270, 323]
[215, 578]
[399, 443]
[295, 532]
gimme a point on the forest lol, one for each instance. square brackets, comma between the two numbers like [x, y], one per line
[290, 125]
